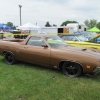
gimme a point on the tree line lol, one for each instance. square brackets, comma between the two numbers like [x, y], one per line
[89, 23]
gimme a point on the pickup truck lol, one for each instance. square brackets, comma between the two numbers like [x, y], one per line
[51, 51]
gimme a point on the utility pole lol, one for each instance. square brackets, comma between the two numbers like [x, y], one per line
[20, 14]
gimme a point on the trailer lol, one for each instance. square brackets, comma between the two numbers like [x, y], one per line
[78, 27]
[53, 30]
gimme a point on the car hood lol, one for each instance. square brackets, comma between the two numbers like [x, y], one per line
[89, 52]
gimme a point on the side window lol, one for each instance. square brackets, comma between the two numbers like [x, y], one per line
[66, 37]
[63, 37]
[86, 35]
[79, 26]
[35, 41]
[84, 29]
[72, 38]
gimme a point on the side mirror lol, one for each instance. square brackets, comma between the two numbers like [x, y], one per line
[44, 45]
[74, 40]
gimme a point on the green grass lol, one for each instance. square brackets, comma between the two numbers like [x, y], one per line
[24, 81]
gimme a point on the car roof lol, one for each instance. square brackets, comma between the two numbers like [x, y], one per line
[82, 32]
[68, 34]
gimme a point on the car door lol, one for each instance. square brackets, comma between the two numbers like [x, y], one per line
[34, 52]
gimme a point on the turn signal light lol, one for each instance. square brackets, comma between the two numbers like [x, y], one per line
[87, 66]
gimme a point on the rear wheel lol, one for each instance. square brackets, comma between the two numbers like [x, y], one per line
[9, 58]
[72, 69]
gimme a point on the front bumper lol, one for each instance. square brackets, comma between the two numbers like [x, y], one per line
[95, 72]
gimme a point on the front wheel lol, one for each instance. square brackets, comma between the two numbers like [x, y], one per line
[9, 58]
[72, 69]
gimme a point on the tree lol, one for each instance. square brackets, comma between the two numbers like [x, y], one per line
[47, 24]
[10, 24]
[90, 23]
[54, 25]
[98, 25]
[66, 22]
[14, 27]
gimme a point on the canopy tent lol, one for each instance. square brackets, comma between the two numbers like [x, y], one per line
[5, 27]
[10, 28]
[28, 26]
[1, 25]
[94, 29]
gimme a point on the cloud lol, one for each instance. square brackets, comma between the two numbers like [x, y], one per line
[54, 11]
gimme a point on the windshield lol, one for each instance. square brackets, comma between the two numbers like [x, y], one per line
[93, 34]
[55, 41]
[87, 34]
[82, 38]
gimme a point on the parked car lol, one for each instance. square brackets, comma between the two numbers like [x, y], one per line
[51, 51]
[88, 35]
[18, 35]
[81, 41]
[6, 35]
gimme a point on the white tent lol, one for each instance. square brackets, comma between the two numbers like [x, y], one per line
[28, 26]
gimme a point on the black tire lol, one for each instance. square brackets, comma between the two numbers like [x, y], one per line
[9, 58]
[72, 69]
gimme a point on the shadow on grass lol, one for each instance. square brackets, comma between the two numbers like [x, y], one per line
[94, 78]
[39, 67]
[34, 66]
[55, 70]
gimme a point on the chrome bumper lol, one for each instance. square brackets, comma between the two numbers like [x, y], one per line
[95, 72]
[96, 69]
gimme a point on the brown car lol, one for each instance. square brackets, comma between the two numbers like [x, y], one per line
[51, 51]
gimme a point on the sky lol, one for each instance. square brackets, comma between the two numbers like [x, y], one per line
[54, 11]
